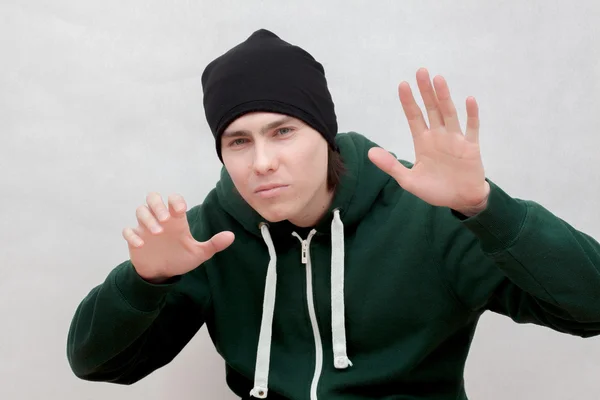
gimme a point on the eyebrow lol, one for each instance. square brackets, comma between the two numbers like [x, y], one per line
[264, 129]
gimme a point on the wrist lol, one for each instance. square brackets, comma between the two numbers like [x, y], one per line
[155, 279]
[138, 292]
[471, 211]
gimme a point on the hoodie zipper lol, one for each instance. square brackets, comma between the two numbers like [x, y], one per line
[304, 252]
[305, 259]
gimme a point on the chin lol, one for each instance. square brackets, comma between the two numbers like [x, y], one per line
[275, 212]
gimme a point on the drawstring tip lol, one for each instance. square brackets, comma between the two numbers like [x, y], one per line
[342, 362]
[259, 392]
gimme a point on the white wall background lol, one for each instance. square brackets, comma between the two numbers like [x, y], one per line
[101, 102]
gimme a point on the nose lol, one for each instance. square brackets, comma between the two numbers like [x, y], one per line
[265, 159]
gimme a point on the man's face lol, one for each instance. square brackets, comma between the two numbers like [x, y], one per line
[278, 165]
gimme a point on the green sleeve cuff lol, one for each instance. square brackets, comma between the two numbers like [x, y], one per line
[499, 225]
[139, 293]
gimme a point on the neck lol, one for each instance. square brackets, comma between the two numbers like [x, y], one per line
[315, 209]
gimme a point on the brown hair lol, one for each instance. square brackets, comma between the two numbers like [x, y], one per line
[335, 168]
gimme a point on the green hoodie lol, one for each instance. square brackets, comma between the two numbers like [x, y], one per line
[379, 301]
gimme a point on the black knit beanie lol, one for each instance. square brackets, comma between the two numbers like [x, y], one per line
[265, 73]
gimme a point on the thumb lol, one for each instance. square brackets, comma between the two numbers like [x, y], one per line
[217, 243]
[385, 161]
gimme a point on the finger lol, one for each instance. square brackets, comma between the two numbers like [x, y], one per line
[413, 113]
[430, 99]
[147, 220]
[446, 105]
[217, 243]
[472, 133]
[177, 205]
[157, 206]
[385, 161]
[132, 238]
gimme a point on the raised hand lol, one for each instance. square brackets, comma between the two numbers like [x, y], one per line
[161, 246]
[448, 170]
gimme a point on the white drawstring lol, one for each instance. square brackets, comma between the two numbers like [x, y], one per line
[338, 328]
[263, 354]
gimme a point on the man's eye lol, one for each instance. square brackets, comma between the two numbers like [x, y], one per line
[284, 130]
[237, 142]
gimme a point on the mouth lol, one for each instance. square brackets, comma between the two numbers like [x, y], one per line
[269, 191]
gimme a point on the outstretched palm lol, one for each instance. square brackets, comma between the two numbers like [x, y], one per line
[448, 170]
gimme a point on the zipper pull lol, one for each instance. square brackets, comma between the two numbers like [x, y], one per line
[304, 252]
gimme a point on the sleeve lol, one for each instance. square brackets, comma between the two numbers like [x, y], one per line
[126, 327]
[518, 259]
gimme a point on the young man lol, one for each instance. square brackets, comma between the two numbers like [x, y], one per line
[322, 266]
